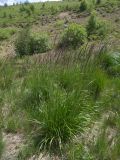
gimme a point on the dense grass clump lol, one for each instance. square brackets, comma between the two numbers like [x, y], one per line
[74, 36]
[65, 102]
[55, 107]
[7, 74]
[58, 104]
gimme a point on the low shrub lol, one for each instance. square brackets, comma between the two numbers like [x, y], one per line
[32, 8]
[98, 1]
[22, 44]
[114, 71]
[110, 62]
[83, 5]
[87, 5]
[74, 36]
[27, 44]
[54, 10]
[39, 43]
[96, 26]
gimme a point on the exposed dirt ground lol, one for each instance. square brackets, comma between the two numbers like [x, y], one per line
[13, 144]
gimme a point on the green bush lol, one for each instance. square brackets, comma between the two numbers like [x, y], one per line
[96, 26]
[83, 5]
[74, 36]
[98, 1]
[32, 8]
[110, 62]
[22, 44]
[27, 44]
[39, 43]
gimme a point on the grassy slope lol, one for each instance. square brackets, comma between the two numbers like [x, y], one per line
[45, 18]
[39, 96]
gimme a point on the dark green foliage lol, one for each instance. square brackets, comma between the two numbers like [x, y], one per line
[22, 44]
[5, 5]
[4, 15]
[32, 8]
[98, 1]
[83, 5]
[110, 62]
[96, 27]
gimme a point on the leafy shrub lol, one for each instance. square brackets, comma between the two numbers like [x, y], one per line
[54, 10]
[110, 62]
[39, 43]
[24, 9]
[106, 60]
[114, 71]
[98, 1]
[74, 35]
[32, 8]
[27, 44]
[96, 26]
[83, 5]
[22, 44]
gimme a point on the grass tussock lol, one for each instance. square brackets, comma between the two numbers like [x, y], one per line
[65, 102]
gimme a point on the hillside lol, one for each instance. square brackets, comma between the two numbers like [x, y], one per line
[60, 81]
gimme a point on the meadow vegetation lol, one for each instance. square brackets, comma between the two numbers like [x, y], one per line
[61, 88]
